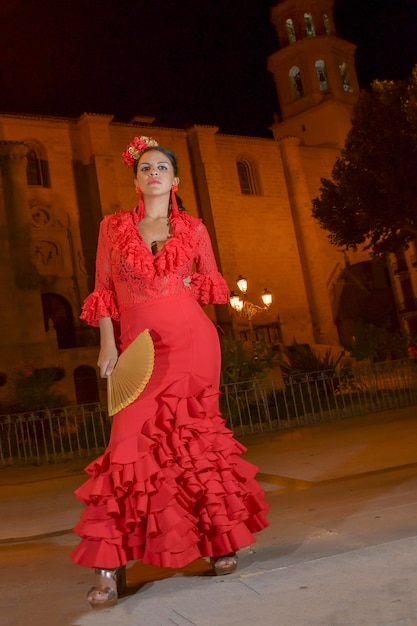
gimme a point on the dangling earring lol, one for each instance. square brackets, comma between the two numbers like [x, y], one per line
[137, 189]
[140, 209]
[174, 205]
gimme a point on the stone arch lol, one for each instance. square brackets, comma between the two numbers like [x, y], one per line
[344, 75]
[296, 81]
[37, 168]
[322, 74]
[248, 179]
[361, 294]
[309, 24]
[327, 25]
[58, 311]
[289, 25]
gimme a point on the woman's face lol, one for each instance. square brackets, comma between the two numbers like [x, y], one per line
[155, 173]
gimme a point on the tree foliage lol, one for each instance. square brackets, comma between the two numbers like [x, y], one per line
[240, 364]
[381, 343]
[371, 198]
[33, 387]
[297, 358]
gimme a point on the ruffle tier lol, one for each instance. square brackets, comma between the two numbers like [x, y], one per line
[174, 491]
[100, 303]
[178, 250]
[208, 288]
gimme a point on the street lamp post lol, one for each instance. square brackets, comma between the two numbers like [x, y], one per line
[242, 306]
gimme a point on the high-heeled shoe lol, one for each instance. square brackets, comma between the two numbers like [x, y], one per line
[225, 564]
[104, 597]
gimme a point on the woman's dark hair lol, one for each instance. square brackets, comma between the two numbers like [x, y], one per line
[181, 207]
[170, 155]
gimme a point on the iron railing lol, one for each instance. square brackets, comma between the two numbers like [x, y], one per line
[314, 397]
[52, 435]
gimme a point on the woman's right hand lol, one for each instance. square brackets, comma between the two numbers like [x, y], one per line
[107, 359]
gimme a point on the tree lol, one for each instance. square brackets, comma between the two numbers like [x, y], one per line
[33, 387]
[239, 364]
[372, 196]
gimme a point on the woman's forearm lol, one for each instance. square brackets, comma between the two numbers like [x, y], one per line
[108, 355]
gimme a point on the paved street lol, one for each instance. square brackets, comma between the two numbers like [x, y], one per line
[341, 548]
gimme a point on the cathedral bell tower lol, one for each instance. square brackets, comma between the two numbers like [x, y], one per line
[314, 73]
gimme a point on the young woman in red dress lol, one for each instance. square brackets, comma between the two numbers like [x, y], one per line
[171, 486]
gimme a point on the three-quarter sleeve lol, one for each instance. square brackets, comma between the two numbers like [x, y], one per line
[102, 302]
[207, 284]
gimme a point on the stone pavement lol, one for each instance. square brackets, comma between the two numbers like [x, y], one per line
[341, 548]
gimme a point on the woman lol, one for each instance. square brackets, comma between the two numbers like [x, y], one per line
[171, 486]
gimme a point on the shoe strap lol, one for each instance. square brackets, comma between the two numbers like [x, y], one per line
[106, 573]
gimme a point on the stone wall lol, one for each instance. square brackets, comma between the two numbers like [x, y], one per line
[268, 236]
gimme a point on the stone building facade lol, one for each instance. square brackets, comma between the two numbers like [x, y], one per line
[59, 177]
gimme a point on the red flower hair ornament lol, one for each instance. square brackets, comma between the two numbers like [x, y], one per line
[137, 147]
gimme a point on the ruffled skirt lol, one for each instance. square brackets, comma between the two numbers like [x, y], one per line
[171, 486]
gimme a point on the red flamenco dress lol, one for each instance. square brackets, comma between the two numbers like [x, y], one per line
[171, 486]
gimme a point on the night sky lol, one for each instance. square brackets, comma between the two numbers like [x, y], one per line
[180, 61]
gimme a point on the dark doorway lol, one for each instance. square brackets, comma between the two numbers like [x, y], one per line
[85, 383]
[57, 309]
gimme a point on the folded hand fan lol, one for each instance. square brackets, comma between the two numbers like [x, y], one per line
[131, 373]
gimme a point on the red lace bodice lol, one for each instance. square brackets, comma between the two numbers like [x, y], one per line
[127, 273]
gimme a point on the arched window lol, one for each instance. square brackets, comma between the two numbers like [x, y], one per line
[247, 179]
[322, 75]
[289, 24]
[308, 20]
[37, 170]
[327, 25]
[296, 82]
[344, 74]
